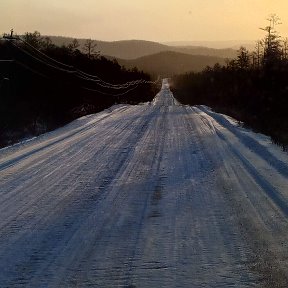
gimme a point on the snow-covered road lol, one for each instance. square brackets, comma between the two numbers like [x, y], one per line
[154, 195]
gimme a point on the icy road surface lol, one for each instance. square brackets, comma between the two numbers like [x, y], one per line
[154, 195]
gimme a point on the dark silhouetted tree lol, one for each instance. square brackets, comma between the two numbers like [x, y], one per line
[285, 49]
[90, 49]
[243, 59]
[73, 45]
[254, 92]
[38, 94]
[272, 44]
[46, 42]
[258, 54]
[34, 39]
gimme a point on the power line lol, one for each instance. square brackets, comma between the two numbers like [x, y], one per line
[80, 75]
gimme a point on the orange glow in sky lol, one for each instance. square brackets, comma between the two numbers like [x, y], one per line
[156, 20]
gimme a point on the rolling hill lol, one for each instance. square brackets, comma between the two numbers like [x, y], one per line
[234, 44]
[169, 63]
[132, 49]
[156, 58]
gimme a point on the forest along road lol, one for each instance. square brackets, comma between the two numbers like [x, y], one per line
[153, 195]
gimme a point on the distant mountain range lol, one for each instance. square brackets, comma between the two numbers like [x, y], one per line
[234, 44]
[169, 63]
[156, 58]
[132, 49]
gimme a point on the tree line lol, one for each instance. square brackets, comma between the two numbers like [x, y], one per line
[37, 96]
[252, 88]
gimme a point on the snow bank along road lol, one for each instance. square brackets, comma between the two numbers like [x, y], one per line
[154, 195]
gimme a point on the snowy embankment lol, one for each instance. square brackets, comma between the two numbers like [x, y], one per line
[159, 195]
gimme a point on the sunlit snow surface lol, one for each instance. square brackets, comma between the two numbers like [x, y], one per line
[154, 195]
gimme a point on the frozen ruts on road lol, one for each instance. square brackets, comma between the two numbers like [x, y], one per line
[153, 195]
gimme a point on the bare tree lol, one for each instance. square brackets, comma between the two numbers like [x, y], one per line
[73, 45]
[90, 49]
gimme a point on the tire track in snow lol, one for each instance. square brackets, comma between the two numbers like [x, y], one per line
[102, 185]
[40, 147]
[77, 163]
[263, 224]
[267, 156]
[249, 142]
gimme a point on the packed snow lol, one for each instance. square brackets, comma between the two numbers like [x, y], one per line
[153, 195]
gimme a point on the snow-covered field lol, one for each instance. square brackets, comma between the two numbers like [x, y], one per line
[154, 195]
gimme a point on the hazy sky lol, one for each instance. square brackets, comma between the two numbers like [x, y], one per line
[156, 20]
